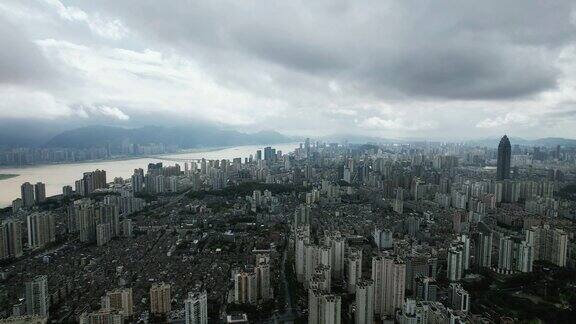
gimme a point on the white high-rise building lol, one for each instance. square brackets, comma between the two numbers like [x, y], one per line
[322, 279]
[383, 238]
[302, 239]
[550, 244]
[311, 252]
[196, 308]
[388, 274]
[455, 263]
[354, 268]
[465, 241]
[524, 257]
[337, 244]
[37, 296]
[10, 239]
[459, 298]
[245, 288]
[41, 229]
[262, 272]
[364, 302]
[505, 257]
[323, 308]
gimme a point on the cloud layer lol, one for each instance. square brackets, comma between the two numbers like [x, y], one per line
[397, 68]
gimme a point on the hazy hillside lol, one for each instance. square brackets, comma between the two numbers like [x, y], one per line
[548, 141]
[184, 137]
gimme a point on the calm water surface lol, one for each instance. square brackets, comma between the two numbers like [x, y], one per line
[57, 176]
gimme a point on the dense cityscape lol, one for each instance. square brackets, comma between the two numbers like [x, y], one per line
[288, 162]
[328, 233]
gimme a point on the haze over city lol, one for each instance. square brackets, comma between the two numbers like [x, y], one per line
[287, 162]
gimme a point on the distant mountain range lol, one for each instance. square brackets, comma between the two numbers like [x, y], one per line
[548, 141]
[41, 133]
[486, 142]
[183, 137]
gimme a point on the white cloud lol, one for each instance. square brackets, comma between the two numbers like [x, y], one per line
[509, 119]
[378, 123]
[19, 102]
[101, 26]
[150, 82]
[297, 68]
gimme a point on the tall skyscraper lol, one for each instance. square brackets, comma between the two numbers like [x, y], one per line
[245, 288]
[41, 230]
[504, 155]
[37, 296]
[524, 256]
[323, 308]
[196, 308]
[505, 256]
[364, 302]
[27, 194]
[389, 276]
[160, 298]
[483, 243]
[354, 272]
[40, 192]
[458, 298]
[455, 263]
[10, 239]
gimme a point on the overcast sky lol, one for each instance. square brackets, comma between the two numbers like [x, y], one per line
[406, 68]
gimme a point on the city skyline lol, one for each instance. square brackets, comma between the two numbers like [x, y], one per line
[287, 162]
[314, 233]
[400, 69]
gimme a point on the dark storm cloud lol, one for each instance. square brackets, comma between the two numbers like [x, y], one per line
[446, 49]
[467, 73]
[21, 61]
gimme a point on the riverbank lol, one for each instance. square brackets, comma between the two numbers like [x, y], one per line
[55, 176]
[114, 158]
[7, 176]
[136, 157]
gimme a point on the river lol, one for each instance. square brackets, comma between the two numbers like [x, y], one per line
[55, 176]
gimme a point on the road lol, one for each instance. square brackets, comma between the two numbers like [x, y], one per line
[290, 314]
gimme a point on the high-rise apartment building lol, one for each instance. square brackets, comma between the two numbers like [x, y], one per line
[196, 308]
[524, 256]
[455, 267]
[364, 302]
[483, 242]
[505, 256]
[245, 288]
[354, 269]
[40, 192]
[160, 302]
[458, 298]
[10, 239]
[323, 308]
[388, 274]
[550, 244]
[41, 229]
[383, 238]
[37, 296]
[27, 194]
[120, 300]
